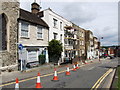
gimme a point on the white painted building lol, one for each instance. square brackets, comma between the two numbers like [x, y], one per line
[56, 26]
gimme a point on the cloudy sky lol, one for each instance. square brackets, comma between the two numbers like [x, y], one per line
[101, 17]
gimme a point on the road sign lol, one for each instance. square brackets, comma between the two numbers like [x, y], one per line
[20, 46]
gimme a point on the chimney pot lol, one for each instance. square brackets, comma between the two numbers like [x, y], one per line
[35, 8]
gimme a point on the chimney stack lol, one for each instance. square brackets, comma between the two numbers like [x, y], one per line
[35, 8]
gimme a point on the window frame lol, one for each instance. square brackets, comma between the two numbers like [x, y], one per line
[27, 30]
[61, 24]
[38, 32]
[55, 21]
[61, 37]
[54, 35]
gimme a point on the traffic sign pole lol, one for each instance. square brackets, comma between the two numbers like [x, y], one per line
[21, 60]
[20, 48]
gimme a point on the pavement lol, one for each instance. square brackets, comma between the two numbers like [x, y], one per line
[44, 69]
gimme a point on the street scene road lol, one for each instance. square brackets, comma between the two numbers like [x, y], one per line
[62, 44]
[85, 77]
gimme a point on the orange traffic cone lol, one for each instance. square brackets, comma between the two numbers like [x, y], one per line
[38, 84]
[55, 78]
[17, 83]
[74, 68]
[77, 67]
[67, 71]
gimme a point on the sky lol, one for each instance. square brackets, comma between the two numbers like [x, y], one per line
[101, 17]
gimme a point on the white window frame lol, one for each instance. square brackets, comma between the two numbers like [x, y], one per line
[61, 26]
[38, 32]
[56, 35]
[61, 37]
[20, 27]
[55, 21]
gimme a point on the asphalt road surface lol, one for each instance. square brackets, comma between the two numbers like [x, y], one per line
[85, 77]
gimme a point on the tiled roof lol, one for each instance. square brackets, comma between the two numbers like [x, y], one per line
[32, 18]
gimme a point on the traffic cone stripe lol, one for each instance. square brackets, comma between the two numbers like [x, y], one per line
[74, 67]
[68, 69]
[77, 67]
[38, 79]
[55, 74]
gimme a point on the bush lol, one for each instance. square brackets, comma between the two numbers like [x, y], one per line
[41, 59]
[54, 50]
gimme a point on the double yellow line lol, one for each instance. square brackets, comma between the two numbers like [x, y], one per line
[100, 80]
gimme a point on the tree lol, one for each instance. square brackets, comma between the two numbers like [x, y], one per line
[54, 50]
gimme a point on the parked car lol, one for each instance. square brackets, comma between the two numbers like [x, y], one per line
[32, 64]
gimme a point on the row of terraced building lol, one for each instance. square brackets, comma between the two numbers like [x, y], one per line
[34, 29]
